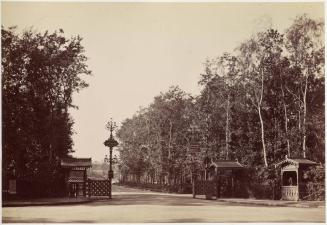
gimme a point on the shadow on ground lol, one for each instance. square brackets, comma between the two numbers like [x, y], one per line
[42, 220]
[154, 199]
[193, 220]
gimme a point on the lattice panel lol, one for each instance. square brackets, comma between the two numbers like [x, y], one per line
[98, 187]
[203, 186]
[199, 187]
[76, 176]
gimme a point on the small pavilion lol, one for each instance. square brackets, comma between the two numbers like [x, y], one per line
[75, 170]
[225, 171]
[220, 178]
[292, 177]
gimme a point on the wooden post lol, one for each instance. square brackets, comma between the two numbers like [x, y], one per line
[84, 183]
[218, 187]
[193, 185]
[282, 183]
[298, 185]
[232, 184]
[68, 185]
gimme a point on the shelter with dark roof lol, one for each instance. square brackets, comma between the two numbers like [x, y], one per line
[226, 164]
[292, 177]
[222, 178]
[75, 170]
[225, 172]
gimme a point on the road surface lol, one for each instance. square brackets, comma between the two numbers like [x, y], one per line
[132, 205]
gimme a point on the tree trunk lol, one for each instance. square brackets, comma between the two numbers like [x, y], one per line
[181, 180]
[276, 133]
[169, 152]
[262, 126]
[300, 118]
[227, 131]
[263, 138]
[51, 137]
[304, 116]
[286, 124]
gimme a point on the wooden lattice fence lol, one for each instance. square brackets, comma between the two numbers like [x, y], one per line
[202, 186]
[98, 187]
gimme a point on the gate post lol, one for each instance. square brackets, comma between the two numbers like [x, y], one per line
[87, 191]
[111, 142]
[109, 189]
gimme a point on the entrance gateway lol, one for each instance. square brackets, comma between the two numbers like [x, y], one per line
[77, 183]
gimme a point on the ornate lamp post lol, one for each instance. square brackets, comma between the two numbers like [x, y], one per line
[111, 142]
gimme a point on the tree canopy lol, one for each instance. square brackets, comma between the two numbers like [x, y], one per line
[40, 72]
[258, 103]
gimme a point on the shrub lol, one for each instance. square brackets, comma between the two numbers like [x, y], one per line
[264, 183]
[315, 183]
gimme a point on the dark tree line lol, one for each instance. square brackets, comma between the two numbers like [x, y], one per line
[258, 103]
[40, 72]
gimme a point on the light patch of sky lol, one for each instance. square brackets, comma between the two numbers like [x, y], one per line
[137, 50]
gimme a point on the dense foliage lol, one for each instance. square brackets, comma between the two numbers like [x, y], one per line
[315, 184]
[259, 103]
[40, 72]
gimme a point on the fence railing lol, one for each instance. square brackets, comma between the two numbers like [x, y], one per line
[97, 187]
[290, 193]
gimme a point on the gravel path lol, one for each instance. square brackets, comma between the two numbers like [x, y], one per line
[134, 205]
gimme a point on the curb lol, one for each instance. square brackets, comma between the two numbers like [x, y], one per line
[288, 204]
[25, 204]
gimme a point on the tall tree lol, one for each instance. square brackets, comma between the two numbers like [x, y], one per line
[222, 83]
[259, 55]
[305, 42]
[40, 72]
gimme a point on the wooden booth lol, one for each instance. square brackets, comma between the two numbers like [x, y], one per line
[221, 179]
[75, 170]
[226, 173]
[292, 177]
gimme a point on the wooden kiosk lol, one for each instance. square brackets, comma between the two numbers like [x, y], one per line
[219, 180]
[75, 170]
[224, 171]
[292, 177]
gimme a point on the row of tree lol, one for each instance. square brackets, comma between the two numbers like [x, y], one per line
[259, 103]
[40, 72]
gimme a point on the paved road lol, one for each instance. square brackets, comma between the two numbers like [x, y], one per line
[132, 205]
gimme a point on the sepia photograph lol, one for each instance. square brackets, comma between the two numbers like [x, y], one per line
[163, 112]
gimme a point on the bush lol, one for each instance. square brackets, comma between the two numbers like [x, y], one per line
[40, 188]
[315, 184]
[264, 183]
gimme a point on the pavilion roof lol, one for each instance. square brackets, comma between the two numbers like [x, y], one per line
[298, 162]
[76, 162]
[227, 164]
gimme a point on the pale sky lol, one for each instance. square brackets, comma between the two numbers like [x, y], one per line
[137, 50]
